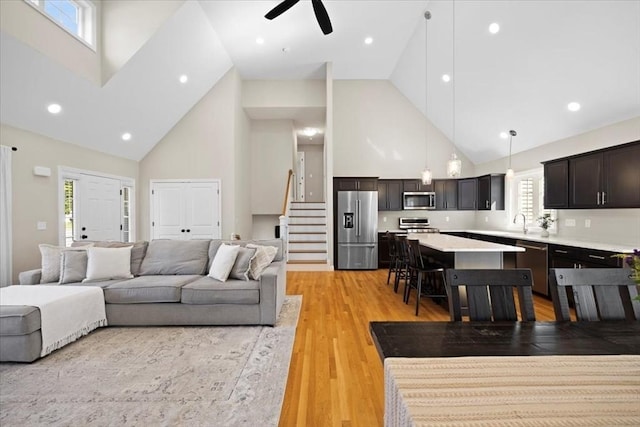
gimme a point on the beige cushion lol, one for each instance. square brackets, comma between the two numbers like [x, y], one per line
[223, 262]
[263, 257]
[108, 263]
[241, 267]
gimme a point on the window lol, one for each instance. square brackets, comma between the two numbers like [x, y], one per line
[527, 198]
[77, 17]
[126, 214]
[69, 210]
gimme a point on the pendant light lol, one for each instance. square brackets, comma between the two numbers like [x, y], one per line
[454, 165]
[512, 133]
[426, 173]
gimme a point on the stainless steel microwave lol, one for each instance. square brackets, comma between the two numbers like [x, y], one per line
[418, 200]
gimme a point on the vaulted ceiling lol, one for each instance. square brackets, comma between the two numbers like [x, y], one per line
[546, 55]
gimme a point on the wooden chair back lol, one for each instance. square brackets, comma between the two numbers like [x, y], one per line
[598, 293]
[489, 294]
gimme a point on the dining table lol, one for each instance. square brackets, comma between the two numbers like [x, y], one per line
[485, 374]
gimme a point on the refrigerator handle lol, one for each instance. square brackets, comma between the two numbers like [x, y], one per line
[358, 211]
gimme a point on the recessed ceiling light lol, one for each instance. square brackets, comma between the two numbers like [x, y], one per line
[504, 135]
[494, 28]
[310, 131]
[368, 40]
[446, 78]
[126, 136]
[184, 78]
[286, 49]
[54, 108]
[573, 106]
[260, 40]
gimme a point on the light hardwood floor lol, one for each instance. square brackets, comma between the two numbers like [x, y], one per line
[336, 375]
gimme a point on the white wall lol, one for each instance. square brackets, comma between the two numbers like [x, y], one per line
[243, 168]
[127, 26]
[618, 226]
[275, 94]
[270, 158]
[314, 171]
[33, 28]
[35, 198]
[201, 145]
[379, 132]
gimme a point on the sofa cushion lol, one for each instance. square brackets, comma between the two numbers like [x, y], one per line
[19, 319]
[108, 263]
[147, 289]
[73, 266]
[98, 283]
[168, 257]
[264, 257]
[211, 291]
[240, 270]
[223, 262]
[215, 244]
[50, 258]
[138, 250]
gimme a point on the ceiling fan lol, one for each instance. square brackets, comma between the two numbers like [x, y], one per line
[321, 13]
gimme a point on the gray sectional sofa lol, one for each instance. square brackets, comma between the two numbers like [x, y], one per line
[170, 287]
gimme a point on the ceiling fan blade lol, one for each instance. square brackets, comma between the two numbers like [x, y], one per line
[322, 16]
[280, 9]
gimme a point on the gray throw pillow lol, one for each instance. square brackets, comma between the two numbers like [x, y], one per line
[240, 270]
[73, 266]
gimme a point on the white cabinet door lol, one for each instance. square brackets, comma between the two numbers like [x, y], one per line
[99, 209]
[185, 210]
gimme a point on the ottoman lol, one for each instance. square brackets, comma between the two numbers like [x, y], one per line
[20, 338]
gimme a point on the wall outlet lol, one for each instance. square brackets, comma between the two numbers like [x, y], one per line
[486, 219]
[384, 219]
[570, 222]
[446, 218]
[41, 225]
[587, 223]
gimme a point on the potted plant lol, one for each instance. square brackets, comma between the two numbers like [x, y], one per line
[545, 222]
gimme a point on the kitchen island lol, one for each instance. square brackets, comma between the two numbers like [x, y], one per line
[466, 253]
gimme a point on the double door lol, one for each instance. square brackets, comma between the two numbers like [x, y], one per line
[185, 210]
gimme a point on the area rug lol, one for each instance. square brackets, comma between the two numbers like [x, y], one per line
[157, 376]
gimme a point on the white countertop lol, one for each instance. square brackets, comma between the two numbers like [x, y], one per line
[612, 247]
[448, 243]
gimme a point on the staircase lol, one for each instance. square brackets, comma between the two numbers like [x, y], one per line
[307, 233]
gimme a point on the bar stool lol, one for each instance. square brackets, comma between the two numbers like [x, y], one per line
[402, 262]
[420, 269]
[391, 239]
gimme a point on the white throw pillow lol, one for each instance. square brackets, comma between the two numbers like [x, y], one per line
[263, 257]
[108, 263]
[223, 262]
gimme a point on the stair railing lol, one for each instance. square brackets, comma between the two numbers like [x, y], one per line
[284, 218]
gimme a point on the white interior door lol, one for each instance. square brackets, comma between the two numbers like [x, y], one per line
[185, 210]
[168, 210]
[99, 208]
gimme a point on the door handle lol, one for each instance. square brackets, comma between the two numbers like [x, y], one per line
[182, 231]
[486, 204]
[357, 217]
[188, 230]
[84, 236]
[603, 195]
[598, 198]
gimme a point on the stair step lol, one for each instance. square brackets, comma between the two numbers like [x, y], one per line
[309, 251]
[307, 220]
[307, 256]
[308, 205]
[317, 261]
[307, 228]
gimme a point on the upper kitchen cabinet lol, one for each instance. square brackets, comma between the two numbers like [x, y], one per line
[467, 194]
[446, 194]
[556, 184]
[390, 195]
[415, 185]
[608, 178]
[491, 192]
[355, 184]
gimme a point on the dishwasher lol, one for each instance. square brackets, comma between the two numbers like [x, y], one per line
[535, 257]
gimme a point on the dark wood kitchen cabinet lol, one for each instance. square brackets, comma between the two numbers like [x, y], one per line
[491, 192]
[415, 185]
[607, 178]
[573, 257]
[556, 184]
[446, 194]
[467, 192]
[389, 195]
[355, 184]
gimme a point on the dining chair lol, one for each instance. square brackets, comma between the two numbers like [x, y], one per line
[488, 294]
[598, 293]
[426, 277]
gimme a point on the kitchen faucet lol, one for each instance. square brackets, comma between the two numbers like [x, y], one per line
[524, 222]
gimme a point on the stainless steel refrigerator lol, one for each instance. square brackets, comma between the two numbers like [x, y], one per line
[357, 230]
